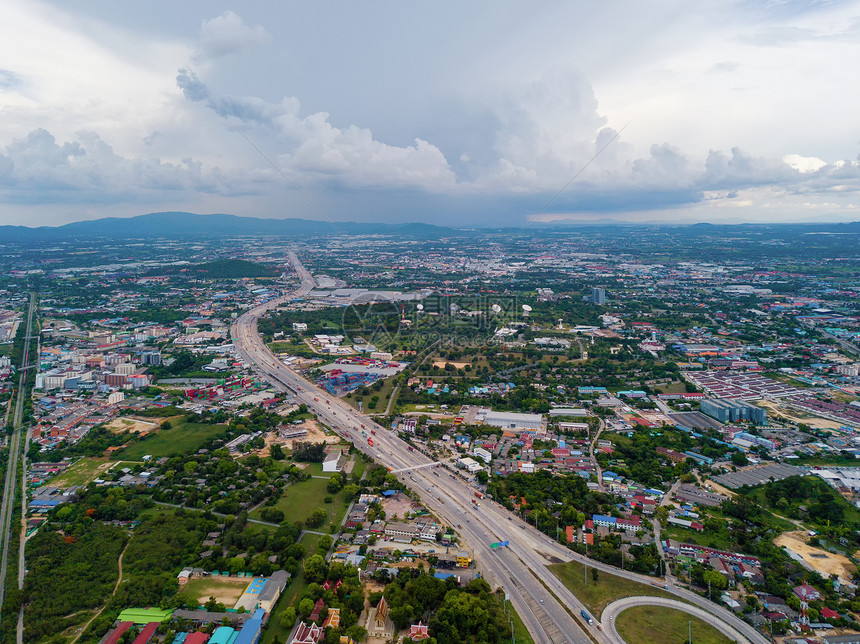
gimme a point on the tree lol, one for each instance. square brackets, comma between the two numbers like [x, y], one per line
[272, 515]
[288, 617]
[740, 459]
[316, 519]
[482, 477]
[277, 452]
[306, 607]
[349, 491]
[715, 580]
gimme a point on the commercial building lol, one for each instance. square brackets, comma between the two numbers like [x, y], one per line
[511, 420]
[598, 296]
[733, 411]
[483, 454]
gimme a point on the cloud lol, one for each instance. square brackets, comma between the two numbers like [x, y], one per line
[228, 34]
[38, 169]
[311, 146]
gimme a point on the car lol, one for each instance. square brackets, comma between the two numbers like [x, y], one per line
[541, 601]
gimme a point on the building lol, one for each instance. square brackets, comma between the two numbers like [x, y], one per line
[464, 560]
[306, 634]
[270, 593]
[470, 465]
[598, 296]
[483, 454]
[511, 420]
[733, 411]
[405, 532]
[334, 462]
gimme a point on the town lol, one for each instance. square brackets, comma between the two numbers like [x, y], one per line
[418, 416]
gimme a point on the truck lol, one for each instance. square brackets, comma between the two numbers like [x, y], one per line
[373, 431]
[370, 442]
[410, 448]
[586, 617]
[479, 495]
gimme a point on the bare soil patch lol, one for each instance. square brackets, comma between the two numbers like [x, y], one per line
[824, 562]
[131, 424]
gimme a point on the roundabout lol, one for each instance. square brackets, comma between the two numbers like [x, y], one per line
[610, 615]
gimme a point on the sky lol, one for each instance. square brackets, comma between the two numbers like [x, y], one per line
[455, 113]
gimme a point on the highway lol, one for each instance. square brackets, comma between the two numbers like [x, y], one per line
[548, 609]
[6, 522]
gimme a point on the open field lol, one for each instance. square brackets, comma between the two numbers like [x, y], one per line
[181, 438]
[658, 625]
[82, 472]
[827, 563]
[133, 425]
[598, 595]
[457, 365]
[224, 589]
[794, 415]
[299, 500]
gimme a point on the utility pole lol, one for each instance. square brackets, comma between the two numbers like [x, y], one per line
[690, 632]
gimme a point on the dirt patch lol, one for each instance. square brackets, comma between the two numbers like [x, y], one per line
[798, 417]
[227, 590]
[457, 365]
[398, 505]
[131, 424]
[824, 562]
[315, 434]
[719, 489]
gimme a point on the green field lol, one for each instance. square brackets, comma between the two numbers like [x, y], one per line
[299, 500]
[521, 633]
[81, 473]
[598, 595]
[658, 625]
[181, 438]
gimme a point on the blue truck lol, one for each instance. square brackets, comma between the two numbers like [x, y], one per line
[586, 617]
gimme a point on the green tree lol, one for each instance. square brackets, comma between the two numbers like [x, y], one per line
[288, 617]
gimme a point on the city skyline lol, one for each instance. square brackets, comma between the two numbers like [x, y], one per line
[450, 115]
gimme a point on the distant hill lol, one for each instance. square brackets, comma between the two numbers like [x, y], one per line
[182, 224]
[221, 269]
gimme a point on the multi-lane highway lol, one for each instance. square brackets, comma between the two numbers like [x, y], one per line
[7, 524]
[548, 609]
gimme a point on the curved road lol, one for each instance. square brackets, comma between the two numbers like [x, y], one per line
[548, 609]
[611, 612]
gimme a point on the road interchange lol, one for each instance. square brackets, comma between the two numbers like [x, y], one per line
[548, 608]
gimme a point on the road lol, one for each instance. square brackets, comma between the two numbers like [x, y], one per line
[520, 568]
[611, 612]
[6, 522]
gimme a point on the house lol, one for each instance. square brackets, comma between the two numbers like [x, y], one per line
[806, 593]
[828, 614]
[418, 632]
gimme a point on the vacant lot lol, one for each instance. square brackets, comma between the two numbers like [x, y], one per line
[82, 472]
[299, 500]
[827, 563]
[658, 625]
[181, 438]
[598, 595]
[224, 589]
[133, 425]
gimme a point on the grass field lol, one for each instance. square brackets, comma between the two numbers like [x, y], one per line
[224, 589]
[181, 438]
[521, 633]
[82, 472]
[658, 625]
[299, 500]
[598, 595]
